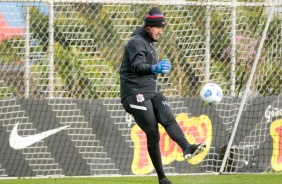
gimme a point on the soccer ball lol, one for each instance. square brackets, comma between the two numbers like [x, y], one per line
[211, 94]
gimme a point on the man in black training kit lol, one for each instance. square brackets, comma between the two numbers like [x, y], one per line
[140, 93]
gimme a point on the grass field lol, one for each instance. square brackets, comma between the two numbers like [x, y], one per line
[193, 179]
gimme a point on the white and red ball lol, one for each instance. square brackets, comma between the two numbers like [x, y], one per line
[211, 94]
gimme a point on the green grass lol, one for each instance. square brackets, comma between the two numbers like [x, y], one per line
[196, 179]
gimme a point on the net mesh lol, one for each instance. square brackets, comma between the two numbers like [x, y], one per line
[59, 66]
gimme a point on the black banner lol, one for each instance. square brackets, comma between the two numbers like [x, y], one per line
[96, 137]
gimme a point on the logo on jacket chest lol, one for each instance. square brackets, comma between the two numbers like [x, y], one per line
[153, 54]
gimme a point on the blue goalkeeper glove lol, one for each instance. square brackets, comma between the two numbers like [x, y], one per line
[163, 67]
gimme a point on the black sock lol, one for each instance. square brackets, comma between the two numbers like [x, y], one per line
[176, 134]
[155, 155]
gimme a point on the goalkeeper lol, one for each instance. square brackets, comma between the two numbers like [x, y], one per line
[140, 93]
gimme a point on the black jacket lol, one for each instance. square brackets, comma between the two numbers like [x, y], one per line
[136, 76]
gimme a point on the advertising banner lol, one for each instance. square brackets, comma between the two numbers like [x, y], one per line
[97, 137]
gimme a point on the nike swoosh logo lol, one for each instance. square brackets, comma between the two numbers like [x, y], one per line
[19, 142]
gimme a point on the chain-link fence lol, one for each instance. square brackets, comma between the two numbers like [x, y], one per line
[59, 63]
[73, 49]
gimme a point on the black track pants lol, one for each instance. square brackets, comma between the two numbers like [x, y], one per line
[148, 110]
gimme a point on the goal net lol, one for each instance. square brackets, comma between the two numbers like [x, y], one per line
[60, 111]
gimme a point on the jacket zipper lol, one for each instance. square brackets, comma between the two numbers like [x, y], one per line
[155, 51]
[156, 62]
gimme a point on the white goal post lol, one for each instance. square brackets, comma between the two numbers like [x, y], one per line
[59, 63]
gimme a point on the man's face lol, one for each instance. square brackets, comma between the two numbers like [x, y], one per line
[156, 32]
